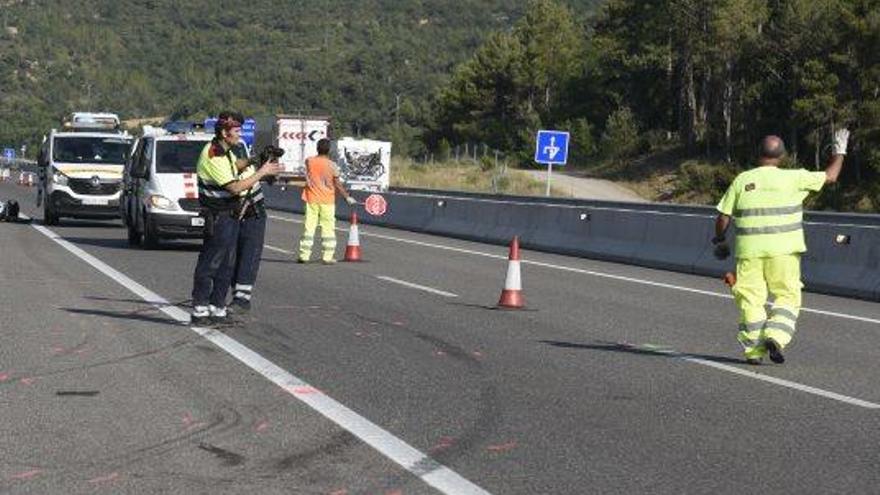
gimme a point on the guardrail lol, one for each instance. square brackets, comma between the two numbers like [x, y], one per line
[843, 257]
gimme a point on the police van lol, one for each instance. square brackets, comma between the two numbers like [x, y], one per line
[160, 197]
[80, 168]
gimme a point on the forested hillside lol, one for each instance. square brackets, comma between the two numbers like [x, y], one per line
[696, 80]
[355, 60]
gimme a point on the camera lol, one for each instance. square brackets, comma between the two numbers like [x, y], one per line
[268, 154]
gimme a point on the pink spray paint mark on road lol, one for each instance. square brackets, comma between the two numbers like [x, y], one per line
[443, 444]
[261, 425]
[395, 492]
[26, 475]
[4, 377]
[338, 492]
[478, 354]
[104, 479]
[27, 381]
[300, 390]
[504, 447]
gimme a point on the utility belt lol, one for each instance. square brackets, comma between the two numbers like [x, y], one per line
[212, 215]
[250, 209]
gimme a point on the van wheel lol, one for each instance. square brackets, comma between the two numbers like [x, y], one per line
[49, 216]
[134, 237]
[151, 238]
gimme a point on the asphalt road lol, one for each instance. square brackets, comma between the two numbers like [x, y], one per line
[397, 376]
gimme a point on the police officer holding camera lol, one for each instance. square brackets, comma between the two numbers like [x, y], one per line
[223, 193]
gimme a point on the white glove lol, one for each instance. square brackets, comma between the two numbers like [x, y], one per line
[841, 138]
[350, 200]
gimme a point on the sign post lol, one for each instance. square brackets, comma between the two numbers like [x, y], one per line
[551, 148]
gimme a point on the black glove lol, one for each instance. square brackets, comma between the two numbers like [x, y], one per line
[722, 250]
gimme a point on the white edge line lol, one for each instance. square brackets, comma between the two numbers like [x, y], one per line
[784, 383]
[588, 272]
[408, 457]
[416, 286]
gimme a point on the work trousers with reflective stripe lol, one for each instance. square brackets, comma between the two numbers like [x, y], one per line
[213, 273]
[324, 216]
[780, 276]
[251, 235]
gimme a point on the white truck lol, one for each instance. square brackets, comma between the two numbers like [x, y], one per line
[365, 164]
[80, 168]
[297, 135]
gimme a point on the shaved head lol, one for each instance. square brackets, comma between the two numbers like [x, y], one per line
[772, 148]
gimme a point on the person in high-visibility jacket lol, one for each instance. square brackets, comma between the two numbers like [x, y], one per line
[221, 189]
[766, 204]
[319, 195]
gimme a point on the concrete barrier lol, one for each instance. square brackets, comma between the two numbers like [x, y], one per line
[843, 257]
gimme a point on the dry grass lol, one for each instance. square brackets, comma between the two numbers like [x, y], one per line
[466, 176]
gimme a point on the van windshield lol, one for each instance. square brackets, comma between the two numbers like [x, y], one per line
[178, 156]
[102, 150]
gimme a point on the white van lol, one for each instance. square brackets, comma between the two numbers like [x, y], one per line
[80, 168]
[160, 198]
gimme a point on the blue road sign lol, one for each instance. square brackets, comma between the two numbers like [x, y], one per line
[551, 147]
[248, 129]
[9, 153]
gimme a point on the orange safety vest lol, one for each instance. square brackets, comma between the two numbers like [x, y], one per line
[320, 175]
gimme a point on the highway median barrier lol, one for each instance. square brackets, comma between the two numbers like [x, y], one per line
[843, 257]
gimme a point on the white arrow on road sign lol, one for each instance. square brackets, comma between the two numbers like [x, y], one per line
[552, 149]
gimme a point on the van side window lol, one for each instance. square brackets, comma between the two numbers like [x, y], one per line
[143, 159]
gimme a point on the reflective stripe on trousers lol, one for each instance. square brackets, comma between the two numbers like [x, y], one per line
[324, 216]
[252, 234]
[755, 279]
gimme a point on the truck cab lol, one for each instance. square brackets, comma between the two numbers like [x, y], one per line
[80, 168]
[160, 191]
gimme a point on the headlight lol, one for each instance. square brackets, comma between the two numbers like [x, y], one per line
[59, 179]
[161, 202]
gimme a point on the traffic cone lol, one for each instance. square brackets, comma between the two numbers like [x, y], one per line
[353, 248]
[511, 296]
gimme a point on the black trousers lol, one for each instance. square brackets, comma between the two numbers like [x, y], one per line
[216, 263]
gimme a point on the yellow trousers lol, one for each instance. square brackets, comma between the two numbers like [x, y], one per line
[324, 216]
[780, 276]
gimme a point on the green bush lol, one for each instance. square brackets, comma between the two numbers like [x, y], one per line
[621, 137]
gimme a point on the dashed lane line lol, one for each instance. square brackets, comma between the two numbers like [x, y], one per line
[592, 273]
[416, 286]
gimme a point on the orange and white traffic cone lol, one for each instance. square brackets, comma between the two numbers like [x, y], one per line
[511, 296]
[353, 248]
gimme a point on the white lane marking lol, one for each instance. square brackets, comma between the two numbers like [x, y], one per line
[416, 286]
[758, 376]
[276, 249]
[621, 278]
[785, 383]
[419, 464]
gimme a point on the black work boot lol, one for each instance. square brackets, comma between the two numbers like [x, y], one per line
[240, 305]
[774, 350]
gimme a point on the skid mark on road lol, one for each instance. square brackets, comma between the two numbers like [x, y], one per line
[414, 461]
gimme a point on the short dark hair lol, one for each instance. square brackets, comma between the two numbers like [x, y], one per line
[227, 120]
[772, 147]
[324, 146]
